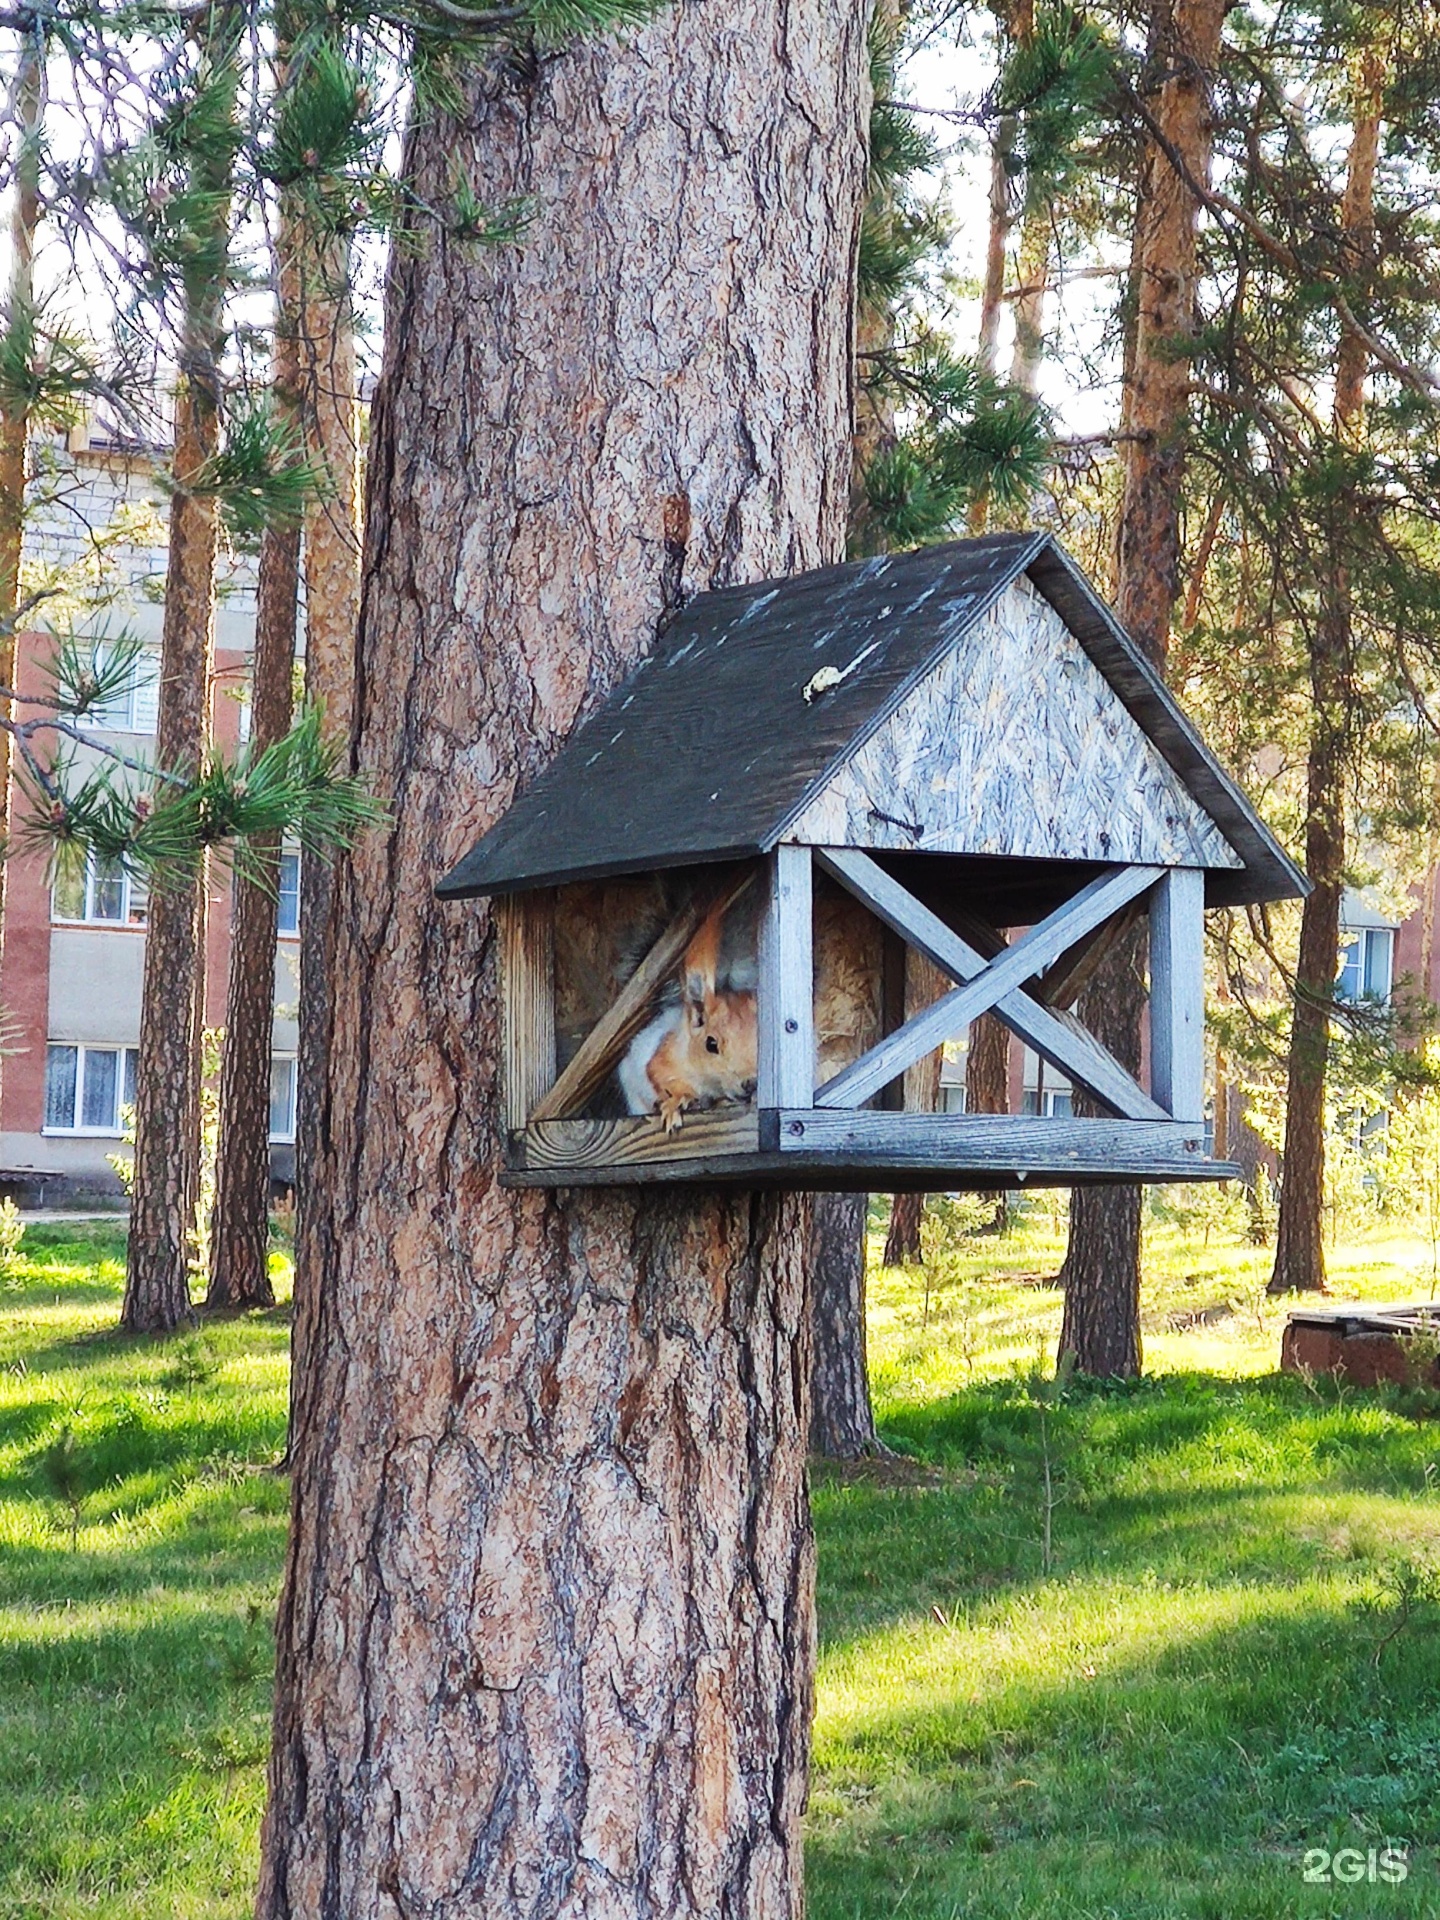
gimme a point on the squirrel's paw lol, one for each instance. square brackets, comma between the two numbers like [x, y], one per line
[672, 1111]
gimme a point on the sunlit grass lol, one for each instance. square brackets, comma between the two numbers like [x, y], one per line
[1214, 1666]
[140, 1540]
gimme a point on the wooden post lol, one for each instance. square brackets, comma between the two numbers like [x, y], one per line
[787, 983]
[1177, 994]
[526, 923]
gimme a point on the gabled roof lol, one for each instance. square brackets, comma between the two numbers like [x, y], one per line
[711, 749]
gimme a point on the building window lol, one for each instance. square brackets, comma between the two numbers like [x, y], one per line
[88, 1088]
[289, 890]
[1055, 1103]
[135, 708]
[101, 892]
[282, 1097]
[1367, 964]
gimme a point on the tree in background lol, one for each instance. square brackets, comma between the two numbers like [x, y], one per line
[1101, 1272]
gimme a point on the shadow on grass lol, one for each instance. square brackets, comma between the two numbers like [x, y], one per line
[1227, 1743]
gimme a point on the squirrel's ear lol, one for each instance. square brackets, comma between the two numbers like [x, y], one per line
[695, 998]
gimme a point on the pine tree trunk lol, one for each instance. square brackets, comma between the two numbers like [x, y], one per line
[987, 1086]
[1299, 1238]
[240, 1240]
[28, 95]
[328, 393]
[902, 1238]
[545, 1640]
[842, 1421]
[168, 1069]
[1102, 1264]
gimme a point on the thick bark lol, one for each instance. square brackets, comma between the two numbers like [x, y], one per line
[545, 1639]
[842, 1421]
[1102, 1265]
[239, 1244]
[1299, 1239]
[29, 93]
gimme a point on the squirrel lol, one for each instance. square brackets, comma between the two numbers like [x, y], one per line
[699, 1051]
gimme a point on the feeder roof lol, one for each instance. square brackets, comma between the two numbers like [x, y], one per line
[742, 727]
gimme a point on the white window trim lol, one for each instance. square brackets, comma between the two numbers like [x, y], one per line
[1361, 936]
[90, 919]
[287, 1139]
[291, 933]
[82, 1048]
[120, 715]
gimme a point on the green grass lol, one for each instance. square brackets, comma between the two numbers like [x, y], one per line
[134, 1665]
[1205, 1676]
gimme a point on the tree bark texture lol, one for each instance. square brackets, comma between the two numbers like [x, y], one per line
[902, 1237]
[29, 94]
[545, 1639]
[987, 1083]
[842, 1421]
[240, 1241]
[1101, 1274]
[1102, 1264]
[168, 1068]
[924, 984]
[1299, 1238]
[327, 398]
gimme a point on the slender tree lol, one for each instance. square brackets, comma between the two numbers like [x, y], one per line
[549, 1523]
[239, 1245]
[1299, 1241]
[168, 1067]
[1101, 1274]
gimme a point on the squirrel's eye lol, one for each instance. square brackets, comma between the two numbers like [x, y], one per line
[712, 1045]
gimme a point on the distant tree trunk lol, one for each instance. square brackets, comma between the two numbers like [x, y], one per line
[239, 1249]
[168, 1072]
[1299, 1238]
[545, 1641]
[328, 393]
[902, 1238]
[240, 1239]
[28, 95]
[842, 1421]
[987, 1085]
[1101, 1274]
[1034, 269]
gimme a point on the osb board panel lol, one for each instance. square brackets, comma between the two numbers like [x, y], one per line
[1015, 744]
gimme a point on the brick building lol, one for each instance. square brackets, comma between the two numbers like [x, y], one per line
[74, 951]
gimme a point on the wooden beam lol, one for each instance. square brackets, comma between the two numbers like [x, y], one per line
[613, 1031]
[786, 1003]
[1007, 1142]
[1061, 985]
[526, 928]
[1177, 994]
[993, 985]
[631, 1142]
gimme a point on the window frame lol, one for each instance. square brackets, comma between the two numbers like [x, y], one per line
[83, 1049]
[289, 1060]
[125, 922]
[141, 691]
[1364, 942]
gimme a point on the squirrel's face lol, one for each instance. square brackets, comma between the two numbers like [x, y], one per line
[722, 1042]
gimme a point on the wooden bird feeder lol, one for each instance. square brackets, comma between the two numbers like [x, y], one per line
[956, 753]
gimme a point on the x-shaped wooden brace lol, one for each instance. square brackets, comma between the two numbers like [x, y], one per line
[991, 984]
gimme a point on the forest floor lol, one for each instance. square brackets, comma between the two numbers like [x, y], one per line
[1205, 1661]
